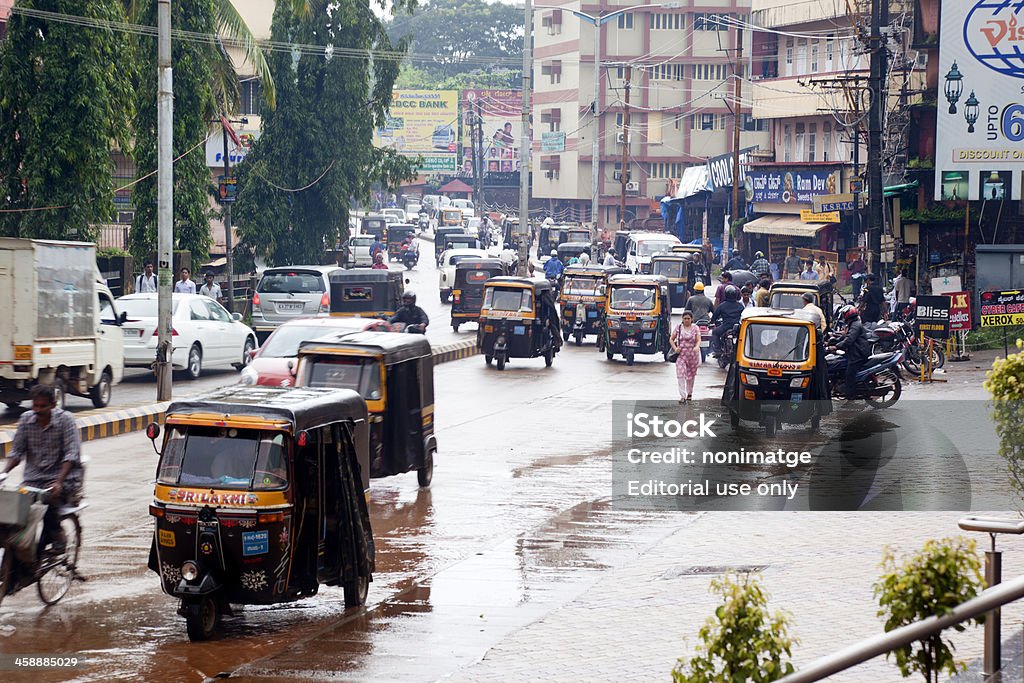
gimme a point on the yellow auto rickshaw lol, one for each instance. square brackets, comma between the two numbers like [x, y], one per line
[675, 268]
[260, 498]
[518, 319]
[583, 297]
[788, 294]
[637, 317]
[451, 217]
[394, 373]
[780, 375]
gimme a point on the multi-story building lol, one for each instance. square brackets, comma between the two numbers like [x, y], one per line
[677, 60]
[5, 12]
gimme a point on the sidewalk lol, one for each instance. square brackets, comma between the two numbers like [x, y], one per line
[634, 622]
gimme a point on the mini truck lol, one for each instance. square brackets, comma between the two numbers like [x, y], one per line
[61, 326]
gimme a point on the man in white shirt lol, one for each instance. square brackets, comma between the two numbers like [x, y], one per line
[146, 281]
[210, 288]
[184, 285]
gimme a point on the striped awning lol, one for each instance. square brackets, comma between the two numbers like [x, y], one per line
[783, 224]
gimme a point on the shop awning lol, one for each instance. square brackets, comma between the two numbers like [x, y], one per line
[695, 179]
[778, 224]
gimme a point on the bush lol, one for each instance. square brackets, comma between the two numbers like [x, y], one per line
[1005, 382]
[932, 582]
[742, 642]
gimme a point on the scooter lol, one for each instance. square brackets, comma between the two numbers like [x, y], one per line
[878, 383]
[705, 337]
[409, 257]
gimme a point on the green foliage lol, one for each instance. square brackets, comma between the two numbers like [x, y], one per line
[458, 30]
[194, 106]
[1005, 383]
[65, 94]
[931, 582]
[411, 78]
[925, 163]
[742, 642]
[111, 252]
[316, 152]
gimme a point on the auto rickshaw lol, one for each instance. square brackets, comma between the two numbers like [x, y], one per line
[549, 237]
[583, 297]
[675, 268]
[687, 249]
[578, 235]
[366, 293]
[464, 241]
[468, 287]
[637, 317]
[567, 250]
[518, 319]
[450, 217]
[374, 225]
[780, 375]
[394, 373]
[788, 295]
[260, 498]
[396, 239]
[441, 235]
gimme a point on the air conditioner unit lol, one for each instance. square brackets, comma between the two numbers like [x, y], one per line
[632, 187]
[622, 139]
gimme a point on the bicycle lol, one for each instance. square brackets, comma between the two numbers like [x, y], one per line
[51, 572]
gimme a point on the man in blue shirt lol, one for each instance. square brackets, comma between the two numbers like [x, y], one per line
[553, 267]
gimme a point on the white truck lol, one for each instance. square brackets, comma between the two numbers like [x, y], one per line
[59, 323]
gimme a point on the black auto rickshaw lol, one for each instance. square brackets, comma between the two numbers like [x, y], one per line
[260, 497]
[637, 317]
[518, 319]
[788, 295]
[780, 375]
[675, 268]
[366, 293]
[397, 235]
[374, 225]
[394, 373]
[549, 237]
[583, 297]
[468, 287]
[578, 235]
[568, 250]
[441, 235]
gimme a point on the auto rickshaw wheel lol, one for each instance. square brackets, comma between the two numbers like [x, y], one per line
[356, 591]
[201, 618]
[630, 356]
[455, 326]
[501, 361]
[425, 474]
[771, 425]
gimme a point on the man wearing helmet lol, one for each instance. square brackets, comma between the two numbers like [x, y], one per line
[553, 266]
[699, 304]
[727, 315]
[736, 262]
[760, 267]
[856, 346]
[412, 316]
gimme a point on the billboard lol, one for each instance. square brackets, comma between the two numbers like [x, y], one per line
[500, 114]
[423, 123]
[789, 187]
[978, 150]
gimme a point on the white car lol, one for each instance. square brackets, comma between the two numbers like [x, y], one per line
[412, 212]
[203, 333]
[641, 246]
[446, 269]
[394, 215]
[360, 250]
[466, 206]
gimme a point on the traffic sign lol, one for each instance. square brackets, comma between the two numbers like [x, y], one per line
[857, 185]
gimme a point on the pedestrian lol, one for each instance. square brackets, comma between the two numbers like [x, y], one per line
[776, 269]
[47, 439]
[745, 296]
[902, 287]
[763, 295]
[808, 272]
[697, 272]
[609, 258]
[210, 288]
[185, 285]
[791, 266]
[824, 269]
[685, 341]
[873, 297]
[146, 280]
[724, 280]
[814, 311]
[760, 267]
[858, 269]
[736, 262]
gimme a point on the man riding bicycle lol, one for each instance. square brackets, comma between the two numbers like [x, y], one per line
[47, 440]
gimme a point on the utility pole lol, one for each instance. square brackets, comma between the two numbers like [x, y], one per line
[476, 135]
[526, 139]
[227, 220]
[165, 199]
[624, 166]
[879, 62]
[736, 125]
[595, 155]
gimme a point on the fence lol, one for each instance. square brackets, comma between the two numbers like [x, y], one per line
[113, 237]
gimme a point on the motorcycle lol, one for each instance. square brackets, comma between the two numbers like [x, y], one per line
[878, 383]
[888, 337]
[727, 353]
[704, 325]
[410, 257]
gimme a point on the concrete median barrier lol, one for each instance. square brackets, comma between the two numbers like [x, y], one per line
[99, 425]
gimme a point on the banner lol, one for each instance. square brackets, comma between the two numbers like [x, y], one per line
[552, 142]
[422, 123]
[1000, 309]
[501, 123]
[789, 187]
[720, 167]
[978, 151]
[808, 216]
[932, 316]
[960, 312]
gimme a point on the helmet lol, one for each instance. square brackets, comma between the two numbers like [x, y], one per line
[735, 252]
[759, 254]
[849, 313]
[409, 297]
[554, 252]
[695, 256]
[731, 293]
[699, 287]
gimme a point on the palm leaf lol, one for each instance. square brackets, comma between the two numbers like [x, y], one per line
[231, 25]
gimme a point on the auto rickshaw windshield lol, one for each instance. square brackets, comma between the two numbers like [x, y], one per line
[500, 299]
[792, 300]
[790, 343]
[673, 268]
[642, 298]
[223, 457]
[579, 284]
[361, 375]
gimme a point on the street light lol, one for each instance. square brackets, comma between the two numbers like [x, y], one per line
[597, 23]
[971, 112]
[954, 87]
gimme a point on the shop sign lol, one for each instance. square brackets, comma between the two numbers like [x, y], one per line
[790, 187]
[1000, 309]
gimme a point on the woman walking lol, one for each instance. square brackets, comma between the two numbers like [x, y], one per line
[685, 341]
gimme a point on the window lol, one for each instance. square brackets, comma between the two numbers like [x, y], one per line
[801, 55]
[198, 311]
[814, 56]
[339, 372]
[217, 312]
[107, 315]
[789, 57]
[787, 143]
[250, 93]
[699, 22]
[626, 21]
[721, 121]
[751, 124]
[678, 121]
[799, 140]
[826, 151]
[829, 48]
[812, 141]
[707, 121]
[618, 119]
[668, 22]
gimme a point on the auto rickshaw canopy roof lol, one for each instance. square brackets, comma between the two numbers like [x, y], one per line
[573, 247]
[676, 256]
[593, 270]
[302, 407]
[365, 275]
[537, 284]
[638, 280]
[686, 249]
[819, 286]
[480, 264]
[401, 229]
[392, 347]
[776, 316]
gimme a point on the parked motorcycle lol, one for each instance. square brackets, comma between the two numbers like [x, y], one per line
[889, 337]
[727, 353]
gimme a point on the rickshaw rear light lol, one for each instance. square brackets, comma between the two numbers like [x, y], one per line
[189, 571]
[799, 382]
[488, 328]
[456, 295]
[156, 511]
[270, 517]
[749, 379]
[749, 395]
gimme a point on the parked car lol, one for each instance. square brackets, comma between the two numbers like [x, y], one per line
[393, 215]
[360, 251]
[290, 292]
[446, 268]
[203, 333]
[273, 363]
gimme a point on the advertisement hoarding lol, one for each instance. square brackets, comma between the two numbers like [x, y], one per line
[932, 316]
[789, 187]
[978, 150]
[423, 123]
[501, 123]
[1001, 309]
[960, 312]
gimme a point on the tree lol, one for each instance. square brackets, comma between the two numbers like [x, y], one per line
[742, 642]
[412, 78]
[932, 582]
[1005, 382]
[63, 98]
[459, 33]
[316, 151]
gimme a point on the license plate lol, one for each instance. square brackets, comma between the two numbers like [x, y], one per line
[796, 398]
[519, 329]
[289, 307]
[591, 314]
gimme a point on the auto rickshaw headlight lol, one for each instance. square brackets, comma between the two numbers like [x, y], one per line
[614, 323]
[190, 571]
[749, 379]
[799, 382]
[648, 324]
